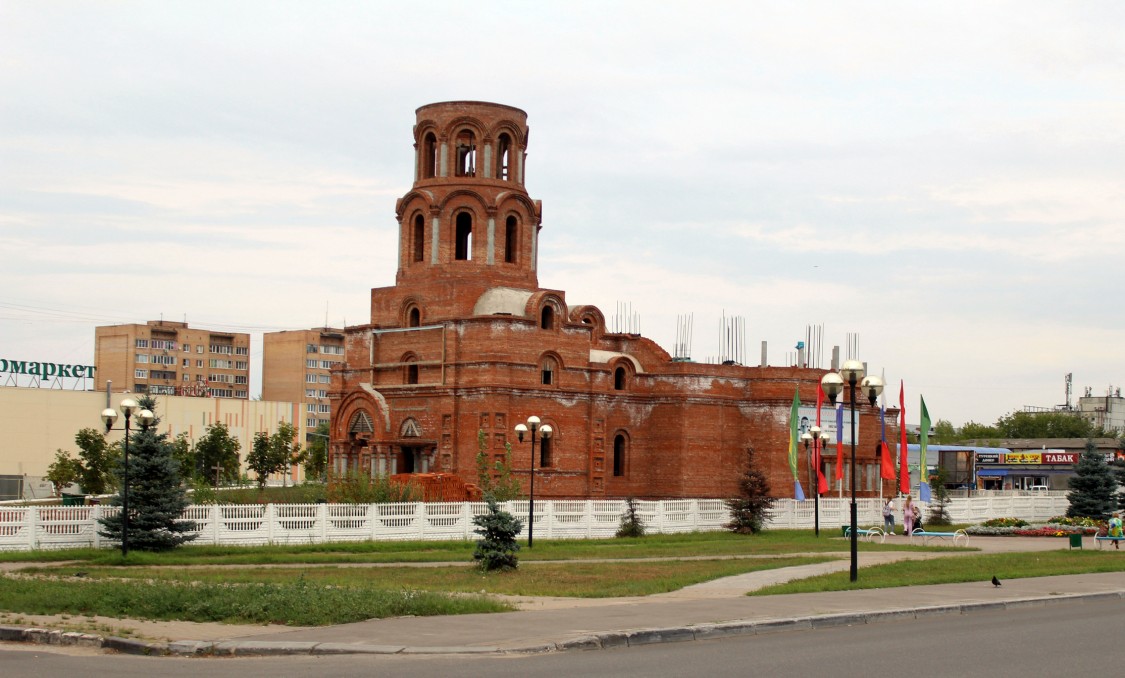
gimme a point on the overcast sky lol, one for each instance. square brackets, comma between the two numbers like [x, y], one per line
[944, 180]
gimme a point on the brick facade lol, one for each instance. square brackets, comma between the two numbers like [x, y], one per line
[466, 342]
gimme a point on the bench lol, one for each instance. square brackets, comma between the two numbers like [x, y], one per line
[868, 534]
[959, 537]
[1098, 539]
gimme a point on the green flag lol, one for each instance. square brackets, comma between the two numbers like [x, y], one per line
[794, 413]
[798, 491]
[923, 442]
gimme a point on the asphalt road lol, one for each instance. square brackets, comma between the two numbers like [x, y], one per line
[1057, 640]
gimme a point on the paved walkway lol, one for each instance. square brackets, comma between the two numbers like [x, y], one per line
[708, 610]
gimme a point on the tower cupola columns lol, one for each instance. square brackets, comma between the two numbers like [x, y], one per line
[468, 218]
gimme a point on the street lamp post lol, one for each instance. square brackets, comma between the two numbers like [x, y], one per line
[851, 374]
[109, 416]
[543, 432]
[813, 436]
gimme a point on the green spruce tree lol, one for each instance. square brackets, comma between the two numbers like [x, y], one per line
[157, 498]
[497, 547]
[750, 510]
[1093, 487]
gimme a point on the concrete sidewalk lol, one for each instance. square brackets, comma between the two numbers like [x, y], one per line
[704, 611]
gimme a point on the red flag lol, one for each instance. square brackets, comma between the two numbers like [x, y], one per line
[887, 470]
[821, 481]
[903, 467]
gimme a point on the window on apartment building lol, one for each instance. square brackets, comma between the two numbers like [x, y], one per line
[311, 348]
[310, 392]
[240, 379]
[311, 363]
[241, 394]
[322, 393]
[324, 379]
[325, 364]
[310, 408]
[140, 374]
[241, 350]
[187, 348]
[311, 423]
[186, 362]
[141, 343]
[200, 348]
[142, 358]
[324, 408]
[187, 377]
[242, 365]
[199, 363]
[310, 378]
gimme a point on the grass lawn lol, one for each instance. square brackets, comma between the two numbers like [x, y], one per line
[963, 568]
[342, 582]
[708, 544]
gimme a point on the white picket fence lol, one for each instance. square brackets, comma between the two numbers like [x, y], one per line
[37, 527]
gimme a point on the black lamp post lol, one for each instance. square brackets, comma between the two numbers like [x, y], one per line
[109, 416]
[851, 374]
[543, 432]
[813, 436]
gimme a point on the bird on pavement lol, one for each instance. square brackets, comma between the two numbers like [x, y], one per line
[995, 581]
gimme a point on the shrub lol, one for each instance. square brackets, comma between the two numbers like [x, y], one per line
[1005, 522]
[359, 488]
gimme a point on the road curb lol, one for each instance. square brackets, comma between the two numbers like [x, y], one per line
[594, 641]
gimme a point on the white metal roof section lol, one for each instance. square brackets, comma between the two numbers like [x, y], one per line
[597, 356]
[502, 301]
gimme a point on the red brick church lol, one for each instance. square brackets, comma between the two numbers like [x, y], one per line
[467, 342]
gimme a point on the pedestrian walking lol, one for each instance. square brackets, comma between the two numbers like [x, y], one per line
[908, 516]
[889, 516]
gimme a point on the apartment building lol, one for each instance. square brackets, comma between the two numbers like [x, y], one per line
[162, 357]
[296, 367]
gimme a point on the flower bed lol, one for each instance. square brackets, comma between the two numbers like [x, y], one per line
[1048, 530]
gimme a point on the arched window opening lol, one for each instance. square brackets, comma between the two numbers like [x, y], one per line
[429, 156]
[503, 152]
[410, 374]
[545, 453]
[414, 317]
[548, 372]
[419, 237]
[466, 154]
[619, 456]
[547, 318]
[464, 248]
[619, 379]
[510, 240]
